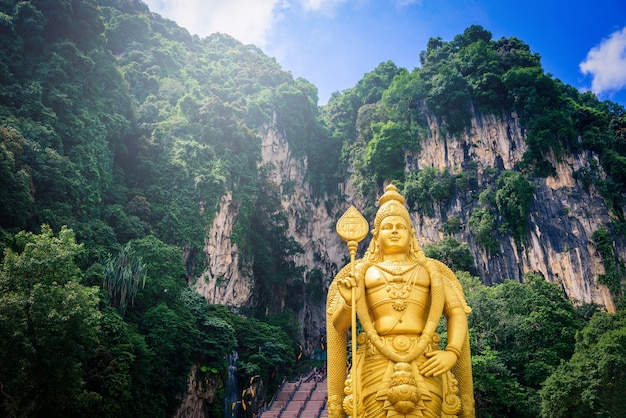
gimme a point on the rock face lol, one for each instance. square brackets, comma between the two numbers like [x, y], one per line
[558, 242]
[310, 224]
[563, 215]
[201, 393]
[226, 280]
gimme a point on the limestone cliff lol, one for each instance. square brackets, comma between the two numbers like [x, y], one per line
[558, 243]
[227, 280]
[563, 214]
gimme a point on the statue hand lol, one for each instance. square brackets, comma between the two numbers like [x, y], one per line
[345, 286]
[438, 363]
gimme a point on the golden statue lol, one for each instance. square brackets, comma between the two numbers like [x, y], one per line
[399, 369]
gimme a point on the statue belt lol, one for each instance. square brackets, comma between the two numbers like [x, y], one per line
[399, 343]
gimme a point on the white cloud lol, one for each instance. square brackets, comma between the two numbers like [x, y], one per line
[328, 7]
[607, 64]
[324, 6]
[248, 21]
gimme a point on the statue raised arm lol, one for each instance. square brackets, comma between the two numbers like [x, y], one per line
[400, 369]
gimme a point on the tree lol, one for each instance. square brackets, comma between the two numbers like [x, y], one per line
[15, 192]
[451, 252]
[593, 381]
[263, 349]
[427, 188]
[472, 34]
[278, 280]
[216, 336]
[482, 223]
[164, 274]
[121, 371]
[48, 326]
[513, 197]
[373, 84]
[385, 152]
[449, 97]
[480, 63]
[613, 265]
[520, 333]
[123, 275]
[170, 333]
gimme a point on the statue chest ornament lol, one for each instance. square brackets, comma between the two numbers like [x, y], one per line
[397, 285]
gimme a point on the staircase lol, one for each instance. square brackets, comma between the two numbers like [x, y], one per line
[304, 398]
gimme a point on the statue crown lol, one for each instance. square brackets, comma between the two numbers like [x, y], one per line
[391, 193]
[391, 203]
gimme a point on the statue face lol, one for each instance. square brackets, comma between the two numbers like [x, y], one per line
[394, 235]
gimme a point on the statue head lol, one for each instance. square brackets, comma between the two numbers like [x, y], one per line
[391, 203]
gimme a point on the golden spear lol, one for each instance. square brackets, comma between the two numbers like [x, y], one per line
[352, 227]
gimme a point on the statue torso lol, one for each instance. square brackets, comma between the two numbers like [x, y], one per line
[398, 297]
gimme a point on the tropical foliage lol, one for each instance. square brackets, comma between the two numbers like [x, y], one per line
[593, 381]
[121, 132]
[520, 333]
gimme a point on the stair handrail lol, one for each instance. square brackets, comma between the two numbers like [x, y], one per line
[282, 385]
[321, 410]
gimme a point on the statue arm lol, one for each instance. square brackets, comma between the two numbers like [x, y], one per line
[344, 281]
[456, 309]
[457, 330]
[457, 320]
[341, 316]
[440, 361]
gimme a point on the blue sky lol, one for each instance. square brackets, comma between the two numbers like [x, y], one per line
[333, 43]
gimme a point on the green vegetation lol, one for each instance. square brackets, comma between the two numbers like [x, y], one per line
[513, 197]
[520, 333]
[427, 187]
[45, 311]
[474, 73]
[482, 223]
[123, 274]
[122, 132]
[452, 225]
[385, 153]
[613, 266]
[593, 381]
[111, 366]
[451, 252]
[277, 277]
[504, 210]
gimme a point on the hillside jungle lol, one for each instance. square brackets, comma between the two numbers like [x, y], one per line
[120, 133]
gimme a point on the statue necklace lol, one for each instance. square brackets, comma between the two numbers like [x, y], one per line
[398, 293]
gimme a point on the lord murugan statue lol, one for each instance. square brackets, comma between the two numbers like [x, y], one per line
[399, 296]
